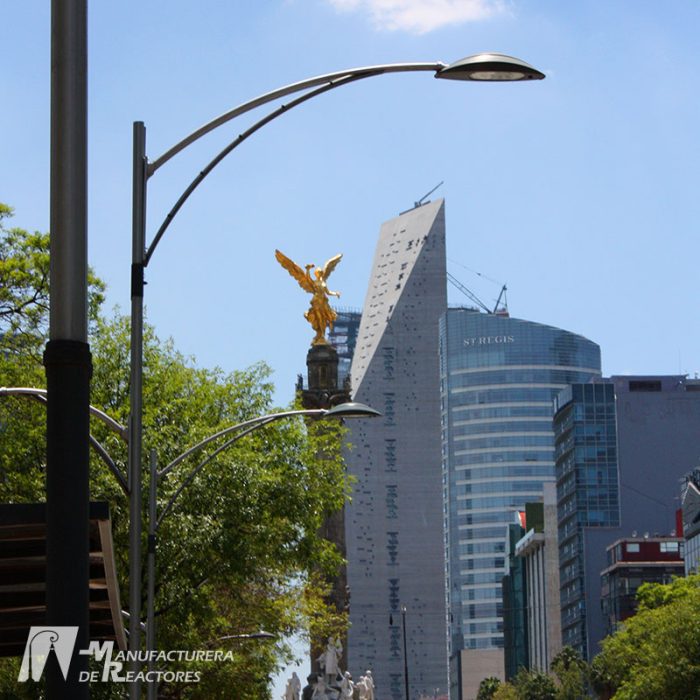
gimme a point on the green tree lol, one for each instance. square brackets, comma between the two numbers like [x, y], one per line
[24, 288]
[527, 685]
[506, 691]
[24, 284]
[656, 653]
[568, 682]
[571, 672]
[534, 685]
[488, 688]
[239, 551]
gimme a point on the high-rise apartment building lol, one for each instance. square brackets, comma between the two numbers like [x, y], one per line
[393, 525]
[587, 492]
[622, 446]
[499, 376]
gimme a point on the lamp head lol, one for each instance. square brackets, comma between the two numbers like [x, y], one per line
[352, 409]
[489, 67]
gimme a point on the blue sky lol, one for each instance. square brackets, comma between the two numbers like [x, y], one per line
[580, 191]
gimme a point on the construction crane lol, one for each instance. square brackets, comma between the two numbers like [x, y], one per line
[467, 292]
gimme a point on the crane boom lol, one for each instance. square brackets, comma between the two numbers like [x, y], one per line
[467, 292]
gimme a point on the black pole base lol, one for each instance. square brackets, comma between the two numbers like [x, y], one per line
[68, 370]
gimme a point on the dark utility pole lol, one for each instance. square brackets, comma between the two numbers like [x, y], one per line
[405, 654]
[67, 355]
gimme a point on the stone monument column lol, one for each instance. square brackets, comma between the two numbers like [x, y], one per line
[322, 391]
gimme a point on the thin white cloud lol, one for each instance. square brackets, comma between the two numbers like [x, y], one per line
[421, 16]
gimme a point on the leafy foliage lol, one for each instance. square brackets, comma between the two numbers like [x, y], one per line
[571, 672]
[238, 551]
[24, 288]
[506, 691]
[567, 683]
[656, 653]
[488, 688]
[535, 685]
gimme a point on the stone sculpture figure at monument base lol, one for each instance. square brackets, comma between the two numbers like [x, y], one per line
[332, 684]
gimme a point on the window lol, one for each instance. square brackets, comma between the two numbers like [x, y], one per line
[645, 385]
[633, 547]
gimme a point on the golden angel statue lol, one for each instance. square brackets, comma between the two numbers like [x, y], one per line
[320, 314]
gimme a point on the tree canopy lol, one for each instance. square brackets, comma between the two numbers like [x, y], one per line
[567, 682]
[656, 653]
[239, 552]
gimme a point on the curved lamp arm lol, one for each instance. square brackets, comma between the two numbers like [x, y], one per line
[344, 410]
[282, 109]
[486, 67]
[365, 72]
[190, 477]
[40, 396]
[245, 427]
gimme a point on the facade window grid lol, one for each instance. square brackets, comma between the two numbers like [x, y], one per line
[492, 466]
[530, 451]
[492, 480]
[499, 458]
[587, 490]
[503, 422]
[512, 429]
[513, 367]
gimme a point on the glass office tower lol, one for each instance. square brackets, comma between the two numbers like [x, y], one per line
[588, 491]
[499, 376]
[622, 446]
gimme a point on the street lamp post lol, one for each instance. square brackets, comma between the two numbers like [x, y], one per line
[67, 355]
[481, 67]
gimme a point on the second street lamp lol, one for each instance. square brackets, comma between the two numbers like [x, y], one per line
[234, 433]
[492, 67]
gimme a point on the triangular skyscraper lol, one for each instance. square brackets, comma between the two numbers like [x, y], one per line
[394, 523]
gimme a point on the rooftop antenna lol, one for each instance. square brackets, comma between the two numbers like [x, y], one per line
[422, 201]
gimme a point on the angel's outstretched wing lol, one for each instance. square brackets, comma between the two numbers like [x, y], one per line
[331, 265]
[295, 271]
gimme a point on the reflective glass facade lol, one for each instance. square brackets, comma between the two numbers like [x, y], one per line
[343, 337]
[587, 491]
[621, 446]
[499, 376]
[515, 601]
